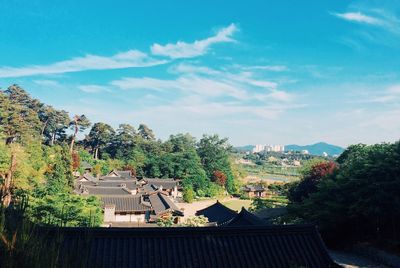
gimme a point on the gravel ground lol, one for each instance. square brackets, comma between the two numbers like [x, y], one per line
[351, 260]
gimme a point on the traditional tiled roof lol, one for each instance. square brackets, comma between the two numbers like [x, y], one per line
[162, 204]
[96, 190]
[89, 177]
[125, 203]
[149, 188]
[111, 178]
[127, 174]
[131, 185]
[217, 213]
[245, 218]
[124, 173]
[230, 247]
[165, 183]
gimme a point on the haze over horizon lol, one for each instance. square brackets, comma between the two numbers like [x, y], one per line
[278, 73]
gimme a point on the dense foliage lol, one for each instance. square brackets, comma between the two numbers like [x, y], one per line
[356, 199]
[35, 162]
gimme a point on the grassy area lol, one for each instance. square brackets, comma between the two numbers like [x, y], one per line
[272, 173]
[237, 204]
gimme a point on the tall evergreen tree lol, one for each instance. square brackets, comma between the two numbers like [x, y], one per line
[99, 137]
[78, 124]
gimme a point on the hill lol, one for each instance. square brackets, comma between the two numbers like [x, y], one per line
[317, 148]
[246, 148]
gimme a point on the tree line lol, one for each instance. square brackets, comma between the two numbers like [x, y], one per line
[354, 199]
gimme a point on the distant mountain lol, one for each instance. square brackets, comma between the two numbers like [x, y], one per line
[317, 148]
[246, 148]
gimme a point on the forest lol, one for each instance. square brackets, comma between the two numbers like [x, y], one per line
[40, 151]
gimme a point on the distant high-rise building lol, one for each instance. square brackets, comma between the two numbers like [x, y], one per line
[268, 148]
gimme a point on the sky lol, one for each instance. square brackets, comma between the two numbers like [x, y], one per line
[257, 72]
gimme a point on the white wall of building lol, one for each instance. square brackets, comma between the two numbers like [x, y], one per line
[130, 218]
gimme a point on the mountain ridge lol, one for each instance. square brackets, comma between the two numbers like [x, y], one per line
[315, 149]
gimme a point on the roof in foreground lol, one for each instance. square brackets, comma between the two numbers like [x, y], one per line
[217, 213]
[250, 246]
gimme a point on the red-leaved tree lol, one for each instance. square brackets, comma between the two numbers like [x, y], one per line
[310, 181]
[219, 177]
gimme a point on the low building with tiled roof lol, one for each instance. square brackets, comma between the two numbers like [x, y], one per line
[217, 213]
[101, 191]
[163, 206]
[245, 218]
[125, 209]
[252, 191]
[131, 185]
[125, 199]
[168, 186]
[126, 174]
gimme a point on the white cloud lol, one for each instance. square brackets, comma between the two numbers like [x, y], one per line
[186, 84]
[93, 88]
[272, 68]
[210, 83]
[128, 59]
[359, 17]
[47, 83]
[197, 48]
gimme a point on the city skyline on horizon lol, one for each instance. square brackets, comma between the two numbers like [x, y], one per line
[281, 73]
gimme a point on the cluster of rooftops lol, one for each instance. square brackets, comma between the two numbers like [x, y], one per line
[231, 239]
[125, 198]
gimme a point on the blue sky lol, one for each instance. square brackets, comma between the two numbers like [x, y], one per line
[255, 71]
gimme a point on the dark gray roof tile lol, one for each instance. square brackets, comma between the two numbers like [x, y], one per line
[125, 203]
[230, 247]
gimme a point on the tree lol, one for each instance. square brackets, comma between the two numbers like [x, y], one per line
[55, 123]
[145, 132]
[219, 178]
[19, 121]
[78, 123]
[188, 194]
[214, 155]
[359, 201]
[311, 178]
[123, 142]
[99, 136]
[195, 221]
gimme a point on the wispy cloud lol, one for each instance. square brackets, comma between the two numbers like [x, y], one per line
[47, 83]
[128, 59]
[197, 48]
[210, 83]
[359, 17]
[272, 68]
[93, 88]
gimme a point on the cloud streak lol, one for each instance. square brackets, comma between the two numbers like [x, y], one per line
[197, 48]
[360, 18]
[211, 84]
[128, 59]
